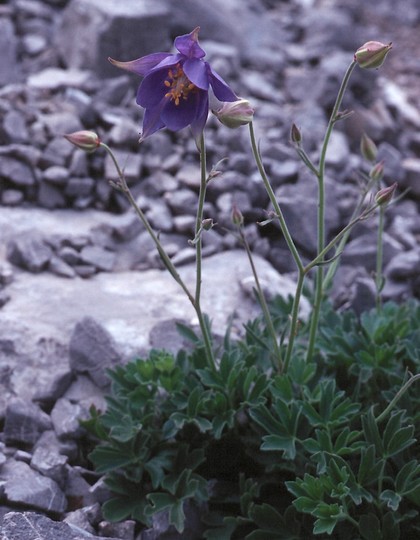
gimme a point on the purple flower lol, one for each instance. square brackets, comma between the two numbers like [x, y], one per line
[175, 88]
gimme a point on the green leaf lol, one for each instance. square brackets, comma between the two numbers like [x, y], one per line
[280, 443]
[107, 458]
[120, 508]
[391, 498]
[369, 527]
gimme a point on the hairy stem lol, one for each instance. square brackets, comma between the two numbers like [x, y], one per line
[321, 211]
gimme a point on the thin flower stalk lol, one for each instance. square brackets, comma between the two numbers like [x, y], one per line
[379, 278]
[198, 252]
[123, 187]
[272, 196]
[290, 243]
[266, 312]
[321, 211]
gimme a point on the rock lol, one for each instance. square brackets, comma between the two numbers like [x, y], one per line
[66, 417]
[47, 458]
[86, 36]
[361, 252]
[100, 258]
[55, 78]
[16, 172]
[404, 265]
[411, 182]
[23, 525]
[23, 485]
[24, 422]
[31, 253]
[8, 47]
[92, 350]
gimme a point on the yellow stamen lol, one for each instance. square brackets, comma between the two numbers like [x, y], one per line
[179, 84]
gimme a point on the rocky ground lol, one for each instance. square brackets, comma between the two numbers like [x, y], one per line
[81, 287]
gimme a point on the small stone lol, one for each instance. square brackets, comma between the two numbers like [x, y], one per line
[123, 530]
[12, 197]
[65, 417]
[26, 486]
[14, 127]
[78, 491]
[97, 256]
[79, 187]
[29, 252]
[56, 175]
[24, 422]
[16, 172]
[47, 458]
[92, 350]
[404, 265]
[50, 197]
[60, 268]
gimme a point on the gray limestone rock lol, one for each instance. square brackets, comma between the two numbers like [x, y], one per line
[8, 47]
[92, 350]
[23, 485]
[47, 458]
[100, 258]
[87, 34]
[18, 173]
[65, 417]
[29, 252]
[32, 526]
[24, 422]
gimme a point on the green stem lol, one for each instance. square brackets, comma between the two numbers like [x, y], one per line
[272, 196]
[198, 254]
[264, 306]
[398, 396]
[161, 250]
[294, 319]
[379, 259]
[345, 231]
[164, 256]
[321, 211]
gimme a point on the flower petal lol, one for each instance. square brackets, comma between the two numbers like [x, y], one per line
[221, 89]
[197, 126]
[188, 45]
[152, 121]
[179, 116]
[142, 65]
[152, 89]
[197, 72]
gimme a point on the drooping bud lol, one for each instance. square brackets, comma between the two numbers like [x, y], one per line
[384, 195]
[236, 216]
[377, 171]
[86, 140]
[368, 148]
[234, 114]
[372, 54]
[295, 134]
[207, 224]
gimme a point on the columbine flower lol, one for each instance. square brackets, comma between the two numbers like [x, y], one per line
[235, 113]
[86, 140]
[174, 91]
[372, 54]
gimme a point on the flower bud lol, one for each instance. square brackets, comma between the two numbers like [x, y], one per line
[384, 195]
[377, 171]
[235, 113]
[368, 148]
[86, 140]
[207, 224]
[236, 216]
[372, 54]
[295, 134]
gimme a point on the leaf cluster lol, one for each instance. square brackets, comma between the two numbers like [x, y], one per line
[269, 456]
